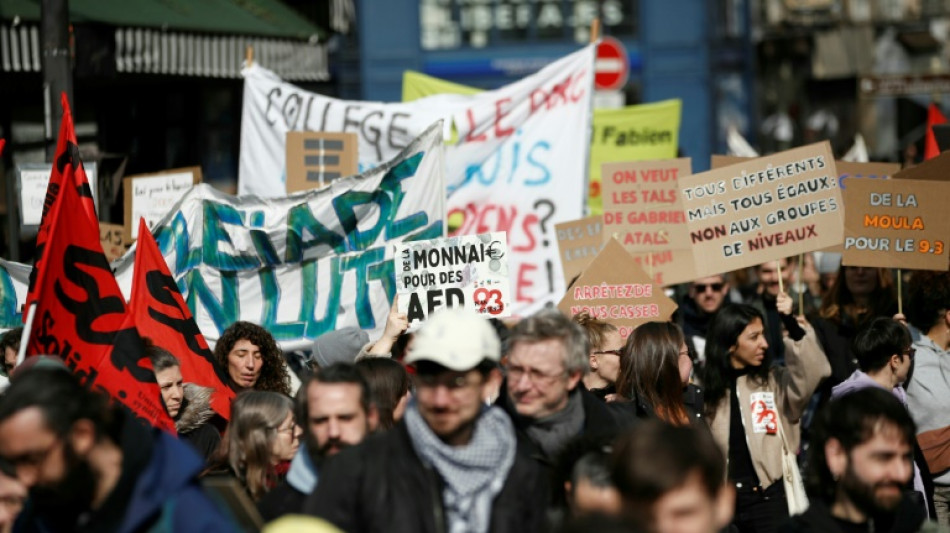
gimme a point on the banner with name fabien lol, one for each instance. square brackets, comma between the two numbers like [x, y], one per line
[763, 209]
[897, 224]
[468, 272]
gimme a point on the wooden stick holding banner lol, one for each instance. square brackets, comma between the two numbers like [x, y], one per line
[595, 29]
[900, 295]
[27, 328]
[249, 56]
[778, 268]
[801, 283]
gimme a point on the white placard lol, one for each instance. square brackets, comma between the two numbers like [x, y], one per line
[153, 196]
[32, 181]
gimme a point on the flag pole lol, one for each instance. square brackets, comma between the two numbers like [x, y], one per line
[595, 29]
[802, 287]
[900, 295]
[778, 268]
[249, 56]
[27, 329]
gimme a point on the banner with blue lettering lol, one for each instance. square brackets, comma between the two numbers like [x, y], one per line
[307, 263]
[517, 163]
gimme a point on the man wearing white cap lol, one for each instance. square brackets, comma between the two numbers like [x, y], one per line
[452, 464]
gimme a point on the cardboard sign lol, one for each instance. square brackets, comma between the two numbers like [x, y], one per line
[615, 289]
[763, 209]
[314, 159]
[644, 212]
[468, 272]
[578, 242]
[32, 180]
[897, 224]
[150, 196]
[936, 169]
[846, 169]
[113, 240]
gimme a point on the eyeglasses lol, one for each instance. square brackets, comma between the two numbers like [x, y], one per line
[910, 352]
[613, 352]
[701, 287]
[292, 429]
[515, 373]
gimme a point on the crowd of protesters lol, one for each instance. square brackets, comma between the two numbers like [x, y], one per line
[772, 401]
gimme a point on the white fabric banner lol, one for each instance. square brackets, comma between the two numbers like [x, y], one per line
[14, 282]
[517, 162]
[307, 263]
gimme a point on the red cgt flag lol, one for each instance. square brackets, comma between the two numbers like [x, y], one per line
[81, 314]
[160, 313]
[67, 169]
[934, 117]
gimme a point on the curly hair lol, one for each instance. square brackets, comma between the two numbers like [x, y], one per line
[255, 418]
[274, 376]
[928, 298]
[596, 329]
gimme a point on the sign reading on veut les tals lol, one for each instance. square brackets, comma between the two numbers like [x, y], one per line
[578, 242]
[468, 272]
[763, 209]
[616, 290]
[897, 224]
[643, 210]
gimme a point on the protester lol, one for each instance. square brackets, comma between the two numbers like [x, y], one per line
[858, 295]
[394, 340]
[389, 388]
[253, 359]
[885, 357]
[705, 297]
[586, 477]
[262, 439]
[754, 408]
[606, 348]
[10, 345]
[655, 375]
[12, 496]
[188, 404]
[670, 479]
[928, 391]
[90, 466]
[452, 464]
[764, 298]
[334, 408]
[859, 462]
[338, 346]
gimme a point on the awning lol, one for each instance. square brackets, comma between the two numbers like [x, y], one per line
[204, 38]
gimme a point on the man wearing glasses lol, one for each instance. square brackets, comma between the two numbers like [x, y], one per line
[546, 359]
[705, 298]
[886, 356]
[452, 463]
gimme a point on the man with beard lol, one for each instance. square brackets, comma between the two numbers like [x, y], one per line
[860, 465]
[90, 466]
[335, 409]
[452, 463]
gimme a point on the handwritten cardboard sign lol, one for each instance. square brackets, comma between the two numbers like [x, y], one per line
[615, 289]
[763, 209]
[846, 169]
[32, 181]
[316, 158]
[897, 224]
[150, 196]
[644, 212]
[936, 169]
[113, 240]
[468, 272]
[578, 242]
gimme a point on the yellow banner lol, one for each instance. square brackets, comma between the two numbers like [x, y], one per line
[633, 133]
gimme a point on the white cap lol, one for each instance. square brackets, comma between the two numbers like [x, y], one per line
[456, 339]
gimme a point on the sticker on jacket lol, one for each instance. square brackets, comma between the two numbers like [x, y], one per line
[764, 415]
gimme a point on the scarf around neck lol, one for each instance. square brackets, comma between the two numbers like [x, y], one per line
[473, 474]
[552, 432]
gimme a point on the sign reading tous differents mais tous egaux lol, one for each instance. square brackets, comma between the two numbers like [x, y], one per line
[468, 272]
[897, 224]
[763, 209]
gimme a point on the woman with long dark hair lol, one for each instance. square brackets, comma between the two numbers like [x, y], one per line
[655, 373]
[754, 408]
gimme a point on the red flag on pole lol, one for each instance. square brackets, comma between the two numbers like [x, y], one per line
[67, 169]
[934, 117]
[3, 142]
[161, 314]
[81, 314]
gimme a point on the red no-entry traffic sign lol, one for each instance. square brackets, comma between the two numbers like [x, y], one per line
[611, 67]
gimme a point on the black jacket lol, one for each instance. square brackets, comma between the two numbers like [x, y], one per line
[817, 519]
[381, 486]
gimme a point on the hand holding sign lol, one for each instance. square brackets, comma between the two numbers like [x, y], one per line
[783, 302]
[396, 324]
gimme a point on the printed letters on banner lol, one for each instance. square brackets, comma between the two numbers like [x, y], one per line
[517, 163]
[307, 263]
